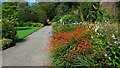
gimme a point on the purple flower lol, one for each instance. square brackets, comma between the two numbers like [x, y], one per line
[50, 33]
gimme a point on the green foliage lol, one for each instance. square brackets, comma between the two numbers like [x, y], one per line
[67, 47]
[61, 9]
[66, 28]
[92, 12]
[37, 25]
[118, 6]
[0, 28]
[25, 13]
[106, 44]
[29, 24]
[23, 32]
[24, 16]
[103, 38]
[69, 19]
[64, 20]
[0, 11]
[40, 12]
[8, 30]
[103, 15]
[56, 19]
[5, 43]
[9, 10]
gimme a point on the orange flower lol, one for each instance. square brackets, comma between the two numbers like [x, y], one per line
[62, 38]
[76, 39]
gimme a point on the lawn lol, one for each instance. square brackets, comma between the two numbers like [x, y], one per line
[23, 32]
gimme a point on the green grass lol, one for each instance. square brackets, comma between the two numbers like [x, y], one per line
[23, 32]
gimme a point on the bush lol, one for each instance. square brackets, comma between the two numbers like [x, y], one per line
[37, 25]
[68, 19]
[29, 24]
[63, 20]
[56, 19]
[71, 47]
[106, 41]
[89, 45]
[5, 43]
[93, 12]
[8, 30]
[0, 28]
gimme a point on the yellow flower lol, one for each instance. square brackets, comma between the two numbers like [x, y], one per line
[91, 25]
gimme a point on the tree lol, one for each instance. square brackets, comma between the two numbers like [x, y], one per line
[9, 10]
[43, 11]
[23, 12]
[87, 11]
[61, 9]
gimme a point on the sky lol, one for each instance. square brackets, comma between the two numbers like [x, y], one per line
[31, 1]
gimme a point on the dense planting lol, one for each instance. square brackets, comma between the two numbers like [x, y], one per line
[83, 33]
[8, 30]
[87, 45]
[66, 46]
[5, 43]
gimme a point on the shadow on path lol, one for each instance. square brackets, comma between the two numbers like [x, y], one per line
[31, 51]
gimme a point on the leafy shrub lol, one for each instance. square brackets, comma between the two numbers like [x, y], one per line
[89, 45]
[69, 47]
[108, 33]
[29, 24]
[68, 19]
[103, 15]
[56, 19]
[66, 28]
[0, 28]
[5, 43]
[105, 42]
[8, 30]
[37, 25]
[93, 12]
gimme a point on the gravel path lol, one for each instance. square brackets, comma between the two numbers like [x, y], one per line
[31, 52]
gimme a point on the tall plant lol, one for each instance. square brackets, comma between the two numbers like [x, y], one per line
[92, 12]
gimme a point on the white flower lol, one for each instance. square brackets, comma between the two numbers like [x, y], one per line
[109, 58]
[115, 42]
[105, 54]
[91, 36]
[96, 28]
[110, 44]
[102, 35]
[73, 23]
[60, 20]
[105, 21]
[95, 22]
[113, 36]
[63, 23]
[119, 47]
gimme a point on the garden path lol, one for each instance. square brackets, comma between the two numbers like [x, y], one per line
[31, 52]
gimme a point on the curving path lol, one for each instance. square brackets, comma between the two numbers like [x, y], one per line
[30, 52]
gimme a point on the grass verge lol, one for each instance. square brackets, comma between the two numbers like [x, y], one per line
[23, 32]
